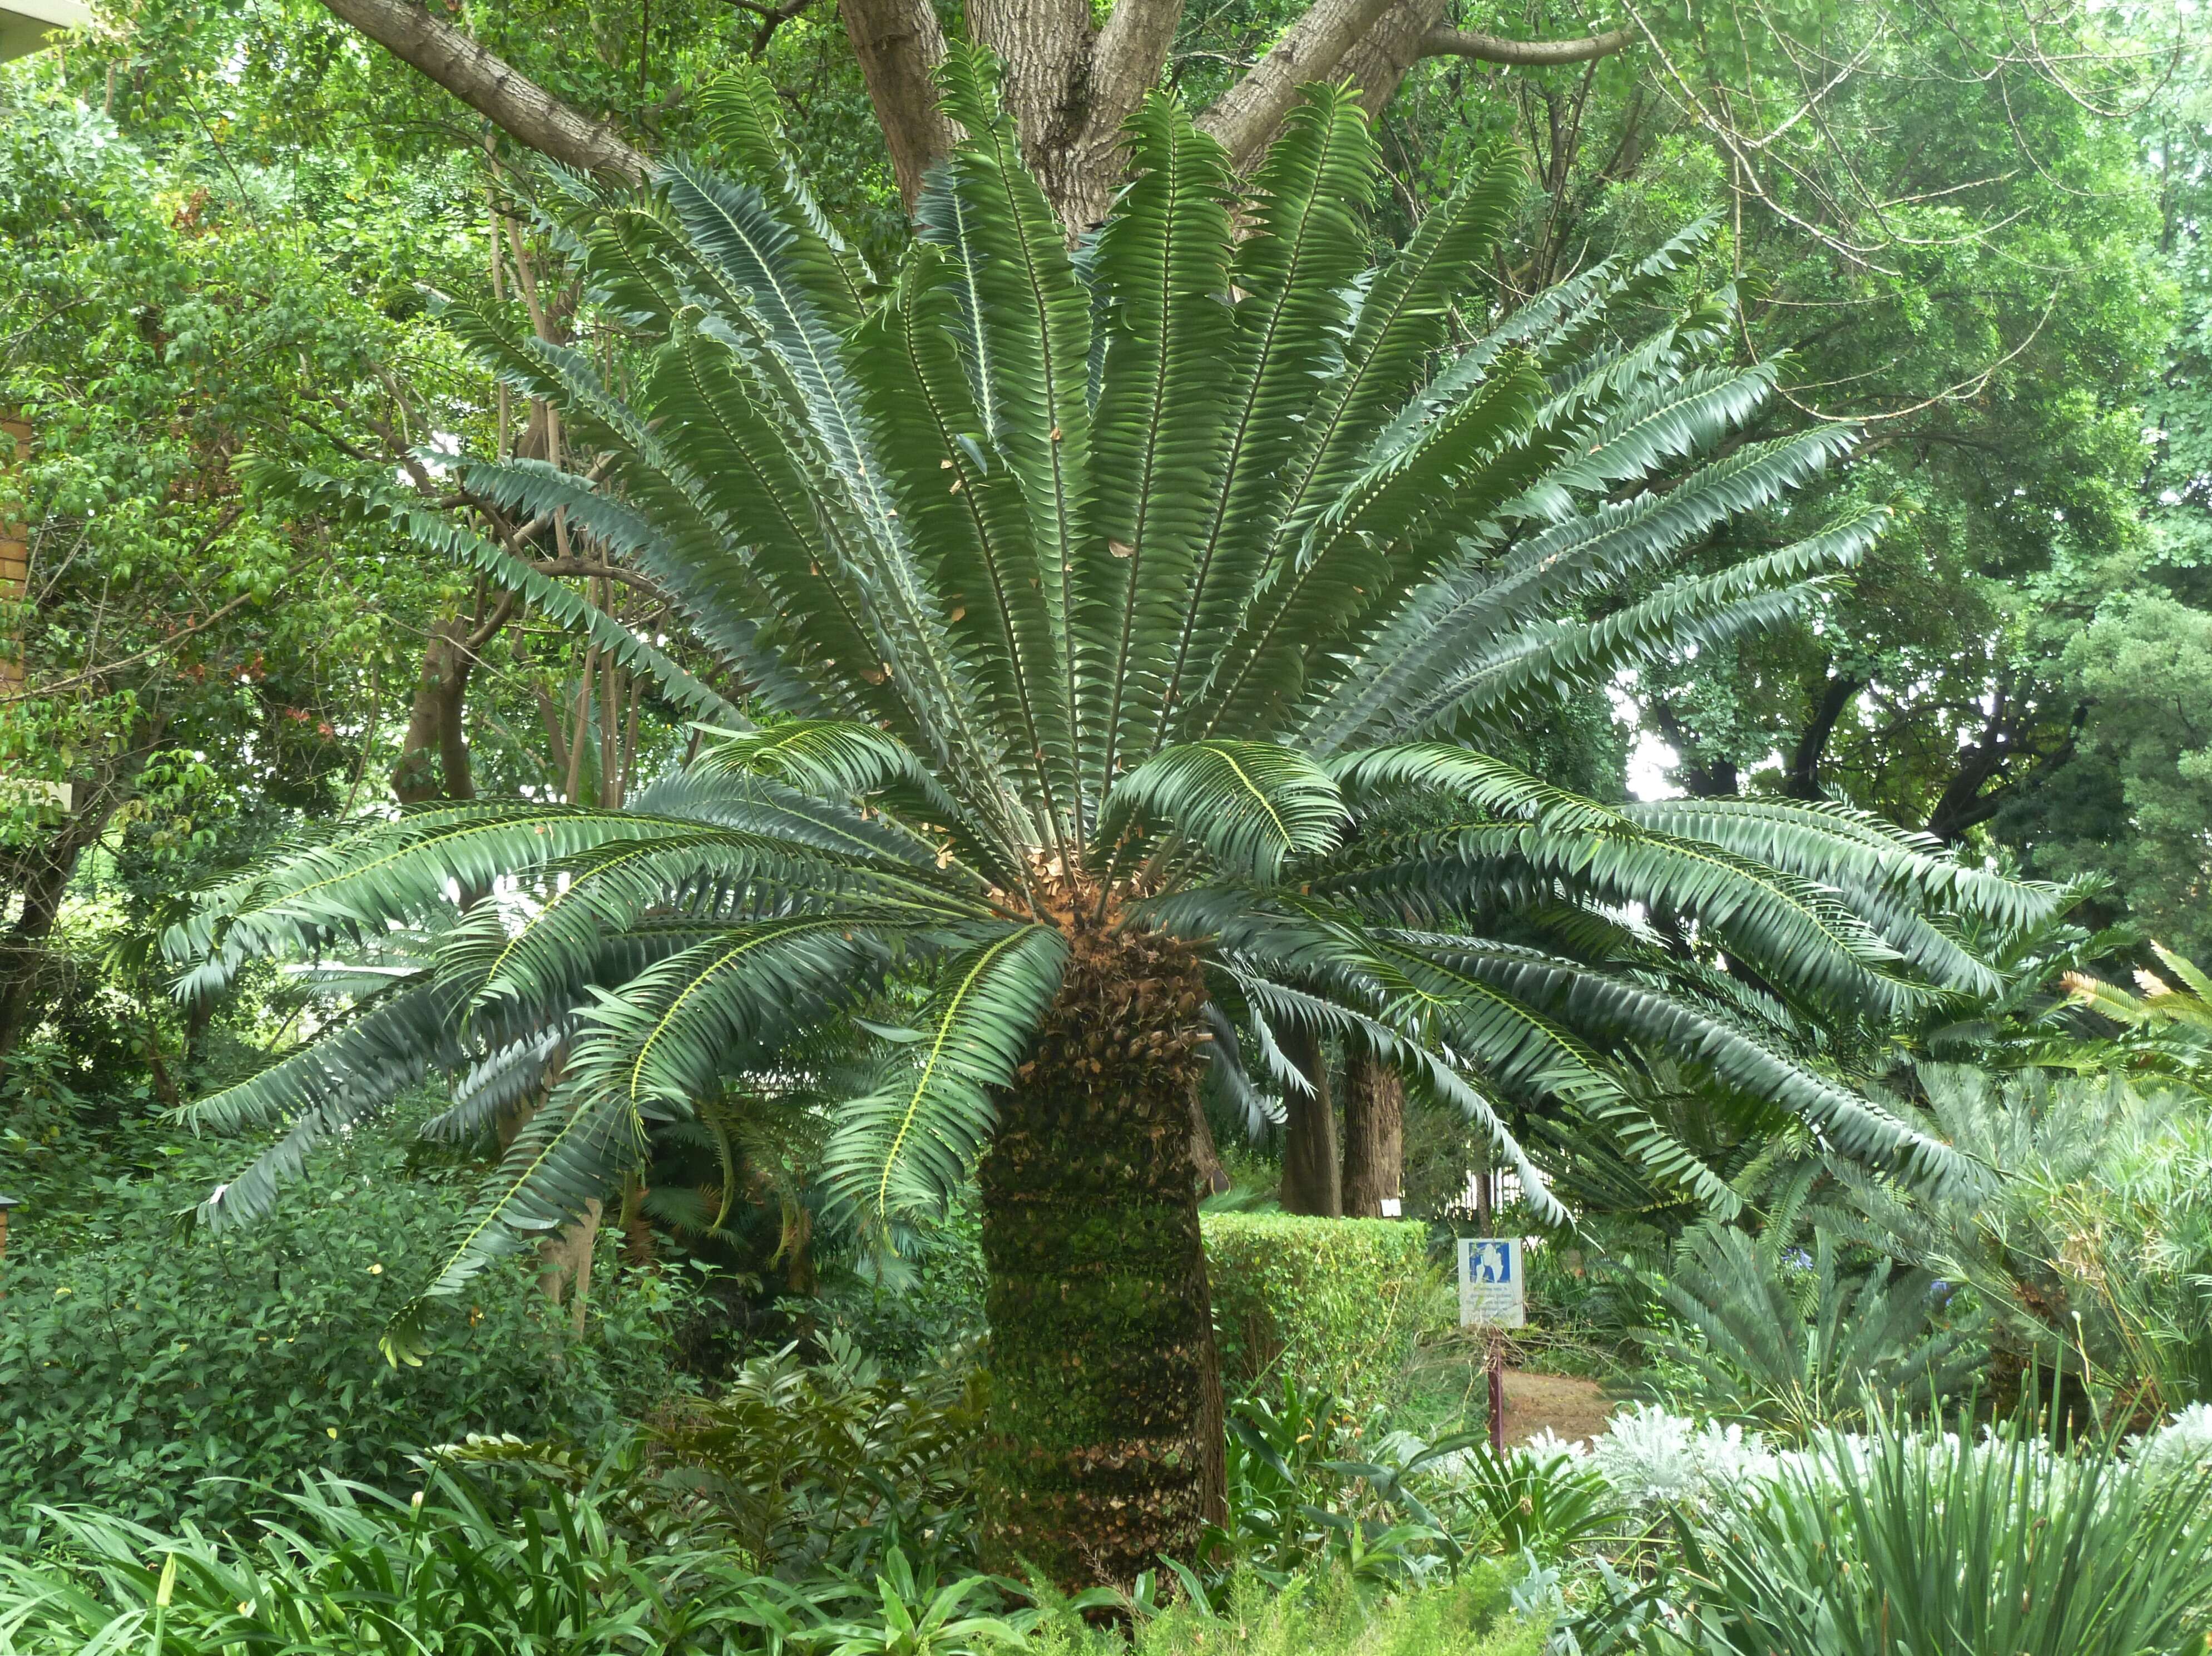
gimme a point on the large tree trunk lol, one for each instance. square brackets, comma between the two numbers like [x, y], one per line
[38, 877]
[1071, 82]
[433, 757]
[1105, 1450]
[1311, 1173]
[1374, 1136]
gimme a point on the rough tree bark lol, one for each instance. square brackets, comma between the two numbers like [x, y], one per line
[1071, 82]
[433, 754]
[1374, 1135]
[899, 46]
[1105, 1448]
[1311, 1173]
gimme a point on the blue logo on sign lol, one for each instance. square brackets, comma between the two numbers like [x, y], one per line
[1490, 1262]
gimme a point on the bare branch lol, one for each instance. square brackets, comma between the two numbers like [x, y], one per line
[493, 88]
[1442, 42]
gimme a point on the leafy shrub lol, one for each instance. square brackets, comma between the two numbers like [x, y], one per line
[802, 1465]
[1896, 1542]
[1299, 1501]
[1538, 1501]
[1332, 1303]
[156, 1373]
[2090, 1258]
[352, 1571]
[908, 1312]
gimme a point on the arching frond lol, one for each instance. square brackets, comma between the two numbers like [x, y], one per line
[912, 1142]
[1251, 805]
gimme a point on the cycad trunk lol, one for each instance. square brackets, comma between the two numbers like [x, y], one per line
[1104, 1451]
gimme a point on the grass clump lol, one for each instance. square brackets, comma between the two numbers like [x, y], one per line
[1328, 1614]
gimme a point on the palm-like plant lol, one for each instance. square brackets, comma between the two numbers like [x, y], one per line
[1745, 1348]
[1096, 614]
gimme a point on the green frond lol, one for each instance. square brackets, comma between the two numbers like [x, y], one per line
[1162, 424]
[436, 533]
[1491, 786]
[741, 113]
[1604, 1004]
[569, 1154]
[1400, 321]
[1028, 325]
[1848, 849]
[1287, 335]
[911, 1142]
[1252, 804]
[357, 885]
[1482, 604]
[1421, 1064]
[1672, 422]
[348, 1073]
[497, 1085]
[729, 1000]
[1376, 535]
[716, 594]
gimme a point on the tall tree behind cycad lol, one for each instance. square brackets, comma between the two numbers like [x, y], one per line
[1096, 617]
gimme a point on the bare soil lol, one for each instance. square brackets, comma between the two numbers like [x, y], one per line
[1575, 1410]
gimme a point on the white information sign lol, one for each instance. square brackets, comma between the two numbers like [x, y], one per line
[1490, 1290]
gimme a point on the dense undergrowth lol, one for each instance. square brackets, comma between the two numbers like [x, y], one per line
[200, 1451]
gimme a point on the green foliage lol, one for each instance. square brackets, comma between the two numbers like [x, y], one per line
[353, 1571]
[1526, 1502]
[985, 718]
[1304, 1495]
[1895, 1541]
[1323, 1613]
[1797, 1345]
[2091, 1256]
[1332, 1303]
[158, 1375]
[804, 1464]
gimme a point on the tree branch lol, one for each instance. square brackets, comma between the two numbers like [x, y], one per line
[1246, 116]
[494, 89]
[1442, 42]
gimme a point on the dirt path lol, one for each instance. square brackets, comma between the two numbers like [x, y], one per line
[1575, 1410]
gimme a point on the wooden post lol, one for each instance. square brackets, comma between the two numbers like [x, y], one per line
[1486, 1215]
[6, 1202]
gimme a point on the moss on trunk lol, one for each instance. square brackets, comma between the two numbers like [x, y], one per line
[1104, 1450]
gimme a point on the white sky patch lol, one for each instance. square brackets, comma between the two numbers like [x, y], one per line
[1651, 761]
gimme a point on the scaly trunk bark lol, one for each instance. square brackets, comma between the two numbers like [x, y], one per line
[1374, 1136]
[1103, 1451]
[1311, 1173]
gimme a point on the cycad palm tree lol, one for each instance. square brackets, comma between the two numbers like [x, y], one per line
[1095, 615]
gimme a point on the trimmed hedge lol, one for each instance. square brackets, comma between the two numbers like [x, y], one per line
[1333, 1302]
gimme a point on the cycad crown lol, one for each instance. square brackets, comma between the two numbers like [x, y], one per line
[1158, 584]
